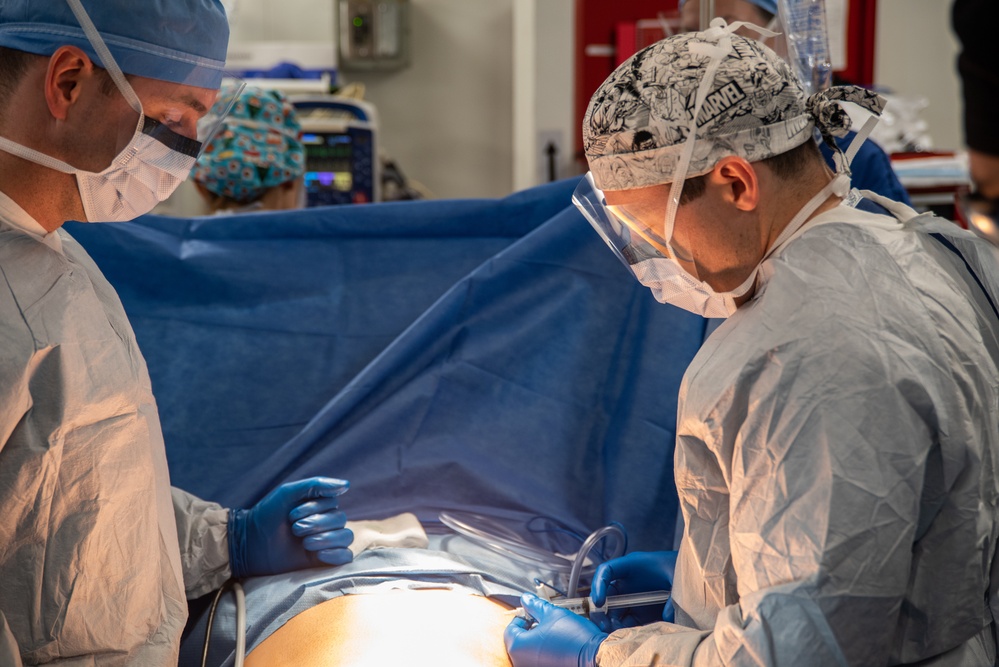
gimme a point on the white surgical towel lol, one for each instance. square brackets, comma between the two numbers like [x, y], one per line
[401, 530]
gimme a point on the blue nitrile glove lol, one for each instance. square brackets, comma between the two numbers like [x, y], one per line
[560, 638]
[296, 526]
[637, 572]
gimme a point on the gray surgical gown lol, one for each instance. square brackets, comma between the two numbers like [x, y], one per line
[836, 460]
[96, 550]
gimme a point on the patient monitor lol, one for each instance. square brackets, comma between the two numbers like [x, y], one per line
[341, 155]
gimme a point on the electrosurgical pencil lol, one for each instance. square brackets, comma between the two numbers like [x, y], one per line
[585, 606]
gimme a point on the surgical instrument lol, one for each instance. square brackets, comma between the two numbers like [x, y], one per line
[584, 606]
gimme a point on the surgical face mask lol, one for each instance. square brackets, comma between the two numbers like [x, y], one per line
[154, 162]
[671, 284]
[145, 173]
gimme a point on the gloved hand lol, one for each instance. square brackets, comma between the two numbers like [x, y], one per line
[559, 638]
[637, 572]
[296, 526]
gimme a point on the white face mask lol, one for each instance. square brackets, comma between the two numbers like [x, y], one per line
[671, 284]
[144, 173]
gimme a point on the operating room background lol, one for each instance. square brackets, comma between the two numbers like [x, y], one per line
[491, 83]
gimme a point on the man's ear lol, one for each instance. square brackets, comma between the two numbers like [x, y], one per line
[738, 181]
[68, 67]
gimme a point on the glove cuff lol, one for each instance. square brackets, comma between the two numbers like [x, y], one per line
[588, 651]
[237, 543]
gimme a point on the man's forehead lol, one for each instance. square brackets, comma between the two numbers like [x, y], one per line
[200, 104]
[197, 99]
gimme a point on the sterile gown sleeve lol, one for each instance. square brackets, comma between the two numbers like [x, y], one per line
[821, 534]
[10, 655]
[835, 467]
[796, 544]
[202, 530]
[90, 569]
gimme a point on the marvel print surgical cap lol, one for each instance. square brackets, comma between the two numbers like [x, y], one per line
[754, 107]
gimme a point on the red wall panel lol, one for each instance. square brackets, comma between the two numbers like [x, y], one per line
[596, 25]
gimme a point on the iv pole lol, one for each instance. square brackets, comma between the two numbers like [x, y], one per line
[707, 13]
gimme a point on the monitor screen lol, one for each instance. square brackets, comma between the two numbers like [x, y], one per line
[329, 161]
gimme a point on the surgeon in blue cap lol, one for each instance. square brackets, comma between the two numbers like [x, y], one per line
[103, 111]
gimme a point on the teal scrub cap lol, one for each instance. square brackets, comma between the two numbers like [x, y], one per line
[181, 41]
[257, 148]
[766, 5]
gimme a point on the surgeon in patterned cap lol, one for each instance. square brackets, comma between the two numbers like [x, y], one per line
[256, 160]
[837, 435]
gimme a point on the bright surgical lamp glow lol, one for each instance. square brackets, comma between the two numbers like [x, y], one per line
[980, 213]
[391, 627]
[984, 225]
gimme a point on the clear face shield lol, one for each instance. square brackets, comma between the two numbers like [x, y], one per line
[640, 247]
[630, 230]
[630, 241]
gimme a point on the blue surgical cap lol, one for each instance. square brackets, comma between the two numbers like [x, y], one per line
[769, 6]
[182, 41]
